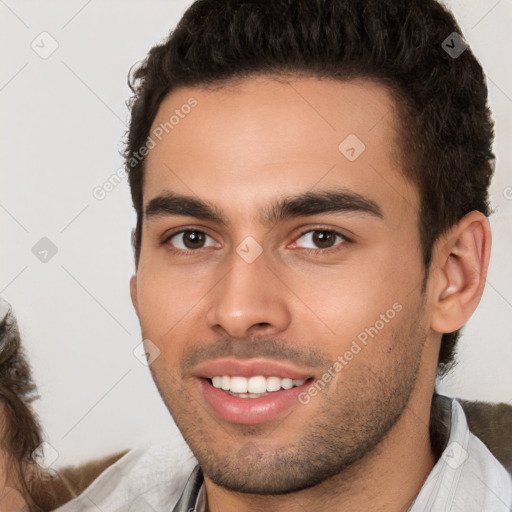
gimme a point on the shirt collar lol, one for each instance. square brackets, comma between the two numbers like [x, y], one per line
[467, 476]
[193, 496]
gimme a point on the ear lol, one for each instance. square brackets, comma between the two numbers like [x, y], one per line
[133, 292]
[460, 261]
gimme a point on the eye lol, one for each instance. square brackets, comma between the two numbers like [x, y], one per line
[189, 240]
[319, 239]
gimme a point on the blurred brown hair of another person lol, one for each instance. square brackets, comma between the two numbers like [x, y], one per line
[20, 433]
[24, 485]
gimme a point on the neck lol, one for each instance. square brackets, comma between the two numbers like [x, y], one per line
[388, 479]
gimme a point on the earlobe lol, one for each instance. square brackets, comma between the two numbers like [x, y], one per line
[133, 292]
[462, 264]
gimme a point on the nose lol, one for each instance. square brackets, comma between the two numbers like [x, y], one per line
[249, 300]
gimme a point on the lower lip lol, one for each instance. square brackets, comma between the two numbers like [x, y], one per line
[250, 411]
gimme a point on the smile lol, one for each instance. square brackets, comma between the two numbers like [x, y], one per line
[251, 392]
[254, 387]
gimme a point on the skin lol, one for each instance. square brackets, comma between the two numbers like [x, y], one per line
[10, 496]
[363, 441]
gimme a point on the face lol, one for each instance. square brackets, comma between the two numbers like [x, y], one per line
[280, 248]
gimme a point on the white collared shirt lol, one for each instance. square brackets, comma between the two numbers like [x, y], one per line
[466, 478]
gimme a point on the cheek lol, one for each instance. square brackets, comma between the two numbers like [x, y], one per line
[168, 298]
[364, 299]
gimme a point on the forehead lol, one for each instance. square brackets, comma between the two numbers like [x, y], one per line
[260, 138]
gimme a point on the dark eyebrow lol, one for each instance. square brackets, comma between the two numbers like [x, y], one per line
[306, 204]
[314, 203]
[173, 204]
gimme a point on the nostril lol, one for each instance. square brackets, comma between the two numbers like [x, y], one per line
[262, 324]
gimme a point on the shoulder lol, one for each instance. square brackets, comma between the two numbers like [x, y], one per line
[153, 474]
[467, 476]
[492, 424]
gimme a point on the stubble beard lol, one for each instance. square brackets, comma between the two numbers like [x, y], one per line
[353, 415]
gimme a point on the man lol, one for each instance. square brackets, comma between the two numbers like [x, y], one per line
[310, 180]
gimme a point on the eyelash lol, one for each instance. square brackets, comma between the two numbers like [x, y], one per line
[183, 252]
[339, 246]
[191, 252]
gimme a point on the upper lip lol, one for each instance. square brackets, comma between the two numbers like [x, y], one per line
[248, 368]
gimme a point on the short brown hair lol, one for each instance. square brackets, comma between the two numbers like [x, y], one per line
[446, 128]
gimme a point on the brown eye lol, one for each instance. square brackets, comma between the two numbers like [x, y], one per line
[190, 240]
[324, 239]
[193, 239]
[320, 239]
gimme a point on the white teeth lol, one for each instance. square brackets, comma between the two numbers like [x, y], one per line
[253, 386]
[257, 384]
[287, 383]
[273, 383]
[238, 385]
[225, 383]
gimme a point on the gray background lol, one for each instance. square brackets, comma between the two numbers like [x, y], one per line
[63, 117]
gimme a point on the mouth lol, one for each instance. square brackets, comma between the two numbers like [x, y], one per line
[254, 387]
[251, 391]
